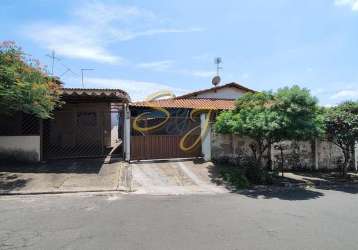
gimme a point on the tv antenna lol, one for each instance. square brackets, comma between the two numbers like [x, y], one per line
[218, 61]
[67, 70]
[216, 80]
[82, 70]
[53, 58]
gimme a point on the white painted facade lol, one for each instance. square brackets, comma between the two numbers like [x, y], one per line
[222, 93]
[127, 134]
[25, 147]
[206, 138]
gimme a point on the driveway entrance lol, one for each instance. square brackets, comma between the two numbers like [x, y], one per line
[174, 177]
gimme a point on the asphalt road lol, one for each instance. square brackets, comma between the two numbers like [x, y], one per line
[313, 219]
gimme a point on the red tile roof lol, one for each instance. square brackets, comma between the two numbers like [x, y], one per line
[194, 103]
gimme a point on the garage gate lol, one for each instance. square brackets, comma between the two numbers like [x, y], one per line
[163, 142]
[82, 133]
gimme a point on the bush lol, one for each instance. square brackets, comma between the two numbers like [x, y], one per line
[234, 177]
[243, 176]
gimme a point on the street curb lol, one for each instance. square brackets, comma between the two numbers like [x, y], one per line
[64, 192]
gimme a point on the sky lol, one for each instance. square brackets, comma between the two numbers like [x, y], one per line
[147, 46]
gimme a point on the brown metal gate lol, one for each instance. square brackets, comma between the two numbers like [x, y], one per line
[163, 142]
[77, 134]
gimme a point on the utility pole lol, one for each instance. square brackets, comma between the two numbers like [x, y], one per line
[82, 70]
[53, 57]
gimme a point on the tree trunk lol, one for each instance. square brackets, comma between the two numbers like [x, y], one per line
[281, 150]
[269, 158]
[346, 163]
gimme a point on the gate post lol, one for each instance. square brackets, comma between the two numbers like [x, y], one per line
[316, 159]
[355, 156]
[127, 133]
[206, 139]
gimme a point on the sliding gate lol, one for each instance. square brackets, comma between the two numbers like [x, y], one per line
[150, 141]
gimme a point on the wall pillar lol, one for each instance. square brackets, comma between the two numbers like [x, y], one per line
[355, 156]
[316, 147]
[127, 133]
[206, 137]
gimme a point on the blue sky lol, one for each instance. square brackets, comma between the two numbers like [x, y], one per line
[145, 46]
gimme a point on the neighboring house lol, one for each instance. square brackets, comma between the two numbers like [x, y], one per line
[163, 142]
[89, 124]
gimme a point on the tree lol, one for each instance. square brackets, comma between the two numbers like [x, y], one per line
[252, 117]
[302, 118]
[267, 118]
[24, 84]
[342, 129]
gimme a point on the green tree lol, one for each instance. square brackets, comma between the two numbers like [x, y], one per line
[342, 129]
[24, 84]
[267, 118]
[301, 117]
[255, 118]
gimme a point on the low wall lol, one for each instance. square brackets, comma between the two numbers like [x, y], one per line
[299, 155]
[22, 148]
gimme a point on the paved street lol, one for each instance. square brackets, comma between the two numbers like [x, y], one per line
[296, 219]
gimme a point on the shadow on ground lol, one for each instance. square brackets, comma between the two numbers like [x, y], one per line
[285, 188]
[292, 194]
[83, 166]
[11, 182]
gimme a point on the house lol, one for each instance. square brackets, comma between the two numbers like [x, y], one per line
[89, 124]
[95, 122]
[166, 141]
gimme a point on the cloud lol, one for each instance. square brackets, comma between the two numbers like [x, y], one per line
[105, 13]
[71, 41]
[353, 4]
[157, 65]
[126, 35]
[93, 26]
[138, 90]
[169, 66]
[345, 94]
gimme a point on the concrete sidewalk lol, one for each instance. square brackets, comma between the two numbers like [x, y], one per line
[66, 176]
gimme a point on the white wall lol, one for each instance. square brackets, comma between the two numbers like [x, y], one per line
[23, 147]
[224, 93]
[206, 140]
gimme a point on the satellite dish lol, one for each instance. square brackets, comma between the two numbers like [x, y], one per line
[216, 80]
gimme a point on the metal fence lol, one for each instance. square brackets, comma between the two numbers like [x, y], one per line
[75, 134]
[19, 124]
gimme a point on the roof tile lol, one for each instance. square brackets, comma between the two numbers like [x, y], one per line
[194, 103]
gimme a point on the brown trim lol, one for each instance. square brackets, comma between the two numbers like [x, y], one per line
[233, 85]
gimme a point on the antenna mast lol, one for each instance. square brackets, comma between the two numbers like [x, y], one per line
[216, 80]
[218, 61]
[82, 70]
[53, 57]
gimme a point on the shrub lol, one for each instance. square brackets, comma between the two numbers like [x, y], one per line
[234, 177]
